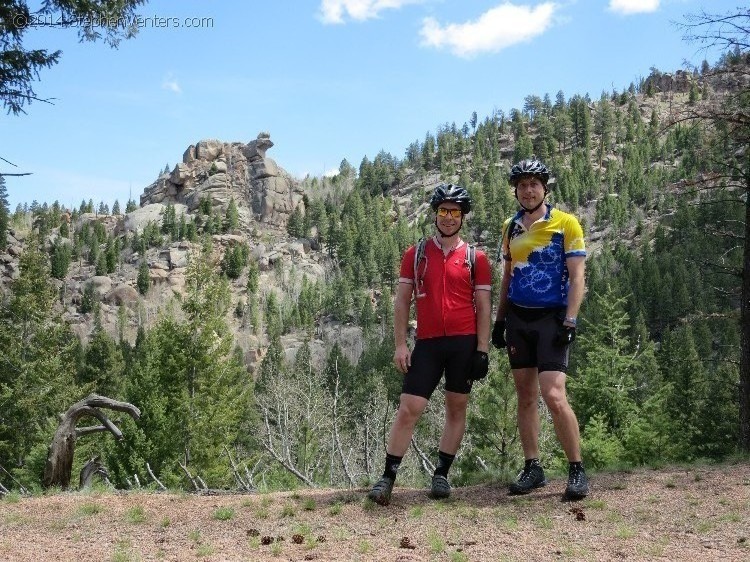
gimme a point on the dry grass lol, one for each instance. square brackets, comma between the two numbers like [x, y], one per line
[697, 513]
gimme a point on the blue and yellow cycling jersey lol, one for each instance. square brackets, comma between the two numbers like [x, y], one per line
[536, 257]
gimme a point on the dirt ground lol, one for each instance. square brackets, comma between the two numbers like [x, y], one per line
[675, 514]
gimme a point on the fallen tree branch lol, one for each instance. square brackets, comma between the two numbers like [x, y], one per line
[241, 483]
[197, 481]
[427, 465]
[21, 487]
[162, 487]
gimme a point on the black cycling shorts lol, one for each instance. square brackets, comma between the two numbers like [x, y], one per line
[432, 357]
[530, 334]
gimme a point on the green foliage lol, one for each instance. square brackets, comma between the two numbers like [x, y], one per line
[87, 299]
[204, 205]
[234, 261]
[600, 448]
[20, 67]
[253, 276]
[232, 218]
[295, 225]
[491, 420]
[169, 224]
[60, 259]
[38, 360]
[143, 281]
[194, 392]
[103, 366]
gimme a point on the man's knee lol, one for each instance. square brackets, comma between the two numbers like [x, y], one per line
[556, 400]
[410, 409]
[455, 405]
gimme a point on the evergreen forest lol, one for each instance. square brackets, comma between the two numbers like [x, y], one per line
[658, 173]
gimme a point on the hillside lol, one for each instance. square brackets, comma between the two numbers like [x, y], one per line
[696, 513]
[248, 314]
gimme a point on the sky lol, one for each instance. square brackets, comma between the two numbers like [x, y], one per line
[328, 79]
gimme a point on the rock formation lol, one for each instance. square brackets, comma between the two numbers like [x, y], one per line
[221, 171]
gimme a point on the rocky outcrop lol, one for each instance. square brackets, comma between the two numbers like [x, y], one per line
[221, 171]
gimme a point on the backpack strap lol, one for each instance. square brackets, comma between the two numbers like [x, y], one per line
[506, 233]
[471, 258]
[418, 257]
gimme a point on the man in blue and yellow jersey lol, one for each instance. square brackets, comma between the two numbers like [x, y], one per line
[544, 256]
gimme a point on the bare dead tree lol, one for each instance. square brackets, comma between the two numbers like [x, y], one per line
[57, 469]
[198, 484]
[336, 438]
[243, 483]
[295, 412]
[284, 461]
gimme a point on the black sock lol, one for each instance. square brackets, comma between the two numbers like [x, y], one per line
[578, 465]
[392, 463]
[531, 462]
[444, 463]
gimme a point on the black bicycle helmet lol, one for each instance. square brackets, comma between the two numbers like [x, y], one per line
[529, 167]
[452, 193]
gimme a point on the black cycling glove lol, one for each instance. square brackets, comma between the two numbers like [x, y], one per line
[480, 364]
[498, 334]
[565, 335]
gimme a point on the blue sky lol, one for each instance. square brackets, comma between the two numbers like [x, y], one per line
[329, 79]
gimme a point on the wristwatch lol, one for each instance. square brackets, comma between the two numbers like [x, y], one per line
[570, 320]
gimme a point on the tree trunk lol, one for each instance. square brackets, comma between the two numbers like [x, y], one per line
[91, 469]
[59, 465]
[745, 333]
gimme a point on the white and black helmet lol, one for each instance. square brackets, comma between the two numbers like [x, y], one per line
[451, 193]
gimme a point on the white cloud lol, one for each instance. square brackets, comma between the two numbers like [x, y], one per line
[170, 83]
[496, 29]
[633, 6]
[336, 11]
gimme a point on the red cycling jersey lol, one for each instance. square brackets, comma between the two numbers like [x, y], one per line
[445, 296]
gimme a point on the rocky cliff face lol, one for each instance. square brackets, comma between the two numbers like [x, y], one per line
[263, 191]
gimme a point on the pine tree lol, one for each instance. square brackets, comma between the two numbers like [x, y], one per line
[232, 218]
[144, 279]
[87, 299]
[253, 275]
[38, 361]
[218, 391]
[103, 366]
[60, 259]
